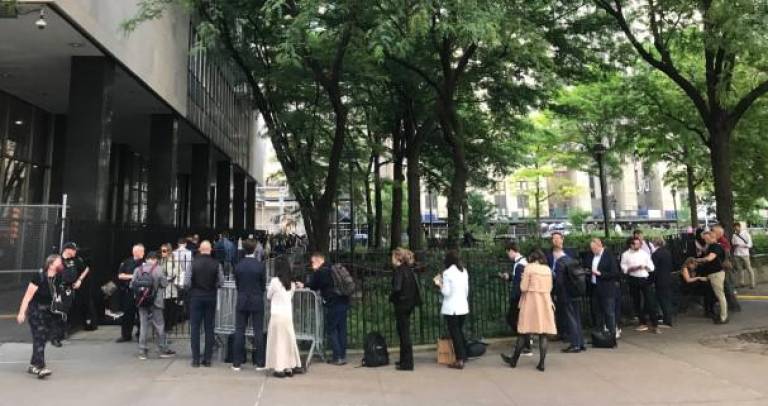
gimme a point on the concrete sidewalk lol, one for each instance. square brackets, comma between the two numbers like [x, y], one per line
[677, 367]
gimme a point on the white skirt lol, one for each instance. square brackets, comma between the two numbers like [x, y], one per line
[282, 350]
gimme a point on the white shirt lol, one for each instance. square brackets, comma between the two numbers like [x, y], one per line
[519, 263]
[595, 265]
[455, 292]
[183, 258]
[741, 242]
[633, 259]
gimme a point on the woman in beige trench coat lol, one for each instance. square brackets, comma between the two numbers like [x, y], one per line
[537, 312]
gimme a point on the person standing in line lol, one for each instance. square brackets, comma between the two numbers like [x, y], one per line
[637, 264]
[537, 312]
[729, 287]
[251, 281]
[36, 308]
[202, 282]
[336, 307]
[662, 262]
[405, 297]
[282, 356]
[127, 301]
[568, 307]
[605, 272]
[711, 266]
[170, 268]
[742, 243]
[150, 277]
[454, 286]
[645, 245]
[514, 277]
[77, 267]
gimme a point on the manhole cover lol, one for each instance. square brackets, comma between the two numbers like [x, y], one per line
[752, 341]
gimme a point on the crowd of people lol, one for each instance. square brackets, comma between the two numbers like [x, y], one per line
[163, 287]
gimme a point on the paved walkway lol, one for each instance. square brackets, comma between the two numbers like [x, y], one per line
[674, 368]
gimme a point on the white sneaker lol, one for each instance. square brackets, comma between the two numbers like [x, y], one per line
[618, 333]
[43, 372]
[641, 327]
[236, 369]
[261, 369]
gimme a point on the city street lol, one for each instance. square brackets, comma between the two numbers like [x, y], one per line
[686, 365]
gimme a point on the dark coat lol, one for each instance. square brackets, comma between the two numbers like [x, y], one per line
[609, 273]
[321, 281]
[662, 262]
[405, 289]
[251, 282]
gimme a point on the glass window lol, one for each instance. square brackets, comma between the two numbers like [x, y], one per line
[14, 176]
[19, 138]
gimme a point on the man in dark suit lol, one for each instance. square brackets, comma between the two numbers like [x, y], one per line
[251, 281]
[605, 273]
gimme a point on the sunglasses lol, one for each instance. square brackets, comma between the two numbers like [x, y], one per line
[164, 251]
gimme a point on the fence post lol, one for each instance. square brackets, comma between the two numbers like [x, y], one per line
[63, 219]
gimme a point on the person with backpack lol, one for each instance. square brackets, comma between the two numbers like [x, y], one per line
[537, 312]
[148, 285]
[405, 297]
[282, 356]
[36, 308]
[333, 283]
[561, 262]
[454, 286]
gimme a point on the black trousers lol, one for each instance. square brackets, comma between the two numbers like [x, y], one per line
[171, 313]
[84, 308]
[604, 306]
[643, 299]
[403, 324]
[202, 311]
[128, 307]
[664, 297]
[40, 323]
[456, 331]
[241, 323]
[572, 320]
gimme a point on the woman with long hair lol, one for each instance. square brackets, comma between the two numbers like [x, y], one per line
[36, 307]
[537, 312]
[170, 268]
[282, 351]
[454, 286]
[405, 297]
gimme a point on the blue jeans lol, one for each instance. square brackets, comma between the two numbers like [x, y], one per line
[336, 329]
[572, 320]
[202, 310]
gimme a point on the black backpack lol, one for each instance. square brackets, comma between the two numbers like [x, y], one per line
[376, 353]
[575, 276]
[343, 284]
[144, 287]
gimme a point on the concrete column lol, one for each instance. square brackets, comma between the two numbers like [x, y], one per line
[163, 167]
[238, 199]
[89, 137]
[199, 205]
[223, 194]
[250, 205]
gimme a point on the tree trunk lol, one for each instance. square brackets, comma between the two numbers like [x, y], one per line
[319, 237]
[396, 226]
[720, 157]
[379, 205]
[414, 199]
[538, 204]
[692, 203]
[453, 132]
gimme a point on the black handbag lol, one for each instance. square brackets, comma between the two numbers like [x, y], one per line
[63, 298]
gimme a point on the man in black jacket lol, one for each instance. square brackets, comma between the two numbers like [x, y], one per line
[605, 273]
[336, 307]
[662, 262]
[251, 281]
[202, 282]
[127, 301]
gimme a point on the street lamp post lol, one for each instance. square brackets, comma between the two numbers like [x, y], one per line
[599, 151]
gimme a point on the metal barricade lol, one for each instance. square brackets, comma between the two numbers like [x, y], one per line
[307, 318]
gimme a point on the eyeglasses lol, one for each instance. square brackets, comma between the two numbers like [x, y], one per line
[164, 251]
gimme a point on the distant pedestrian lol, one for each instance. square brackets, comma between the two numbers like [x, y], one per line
[127, 301]
[283, 356]
[742, 243]
[250, 281]
[405, 297]
[537, 312]
[454, 286]
[36, 307]
[203, 282]
[148, 284]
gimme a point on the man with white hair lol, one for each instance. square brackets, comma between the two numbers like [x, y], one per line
[203, 282]
[127, 304]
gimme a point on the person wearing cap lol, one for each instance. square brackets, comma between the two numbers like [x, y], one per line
[151, 315]
[79, 271]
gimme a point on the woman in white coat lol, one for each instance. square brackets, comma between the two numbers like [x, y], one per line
[282, 351]
[454, 285]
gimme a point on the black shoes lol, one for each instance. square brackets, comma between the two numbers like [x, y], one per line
[401, 367]
[718, 321]
[206, 364]
[507, 359]
[195, 364]
[572, 350]
[123, 340]
[56, 343]
[540, 367]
